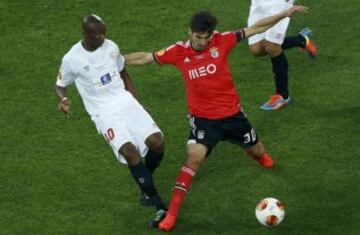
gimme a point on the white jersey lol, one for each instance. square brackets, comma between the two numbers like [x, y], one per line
[97, 78]
[268, 2]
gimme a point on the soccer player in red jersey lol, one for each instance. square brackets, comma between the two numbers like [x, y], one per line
[214, 107]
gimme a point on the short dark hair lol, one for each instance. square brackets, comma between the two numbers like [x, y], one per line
[203, 21]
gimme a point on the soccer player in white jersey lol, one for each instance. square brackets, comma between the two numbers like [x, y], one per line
[273, 42]
[97, 68]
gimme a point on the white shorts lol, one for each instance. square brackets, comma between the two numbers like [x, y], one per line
[275, 34]
[131, 125]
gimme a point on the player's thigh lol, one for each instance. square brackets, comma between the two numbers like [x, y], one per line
[277, 33]
[116, 132]
[196, 155]
[145, 130]
[203, 131]
[130, 153]
[155, 142]
[238, 130]
[256, 13]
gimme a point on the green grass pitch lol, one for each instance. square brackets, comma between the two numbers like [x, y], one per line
[58, 176]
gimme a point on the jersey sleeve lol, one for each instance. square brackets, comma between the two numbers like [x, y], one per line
[229, 39]
[166, 56]
[240, 35]
[66, 75]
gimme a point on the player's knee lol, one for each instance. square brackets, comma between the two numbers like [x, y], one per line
[155, 142]
[193, 163]
[257, 50]
[130, 153]
[257, 150]
[273, 49]
[195, 158]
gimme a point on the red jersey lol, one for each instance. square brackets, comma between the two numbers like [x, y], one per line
[210, 90]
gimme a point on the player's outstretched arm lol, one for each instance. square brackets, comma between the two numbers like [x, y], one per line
[266, 23]
[139, 58]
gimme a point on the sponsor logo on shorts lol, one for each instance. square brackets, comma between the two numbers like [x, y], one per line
[200, 134]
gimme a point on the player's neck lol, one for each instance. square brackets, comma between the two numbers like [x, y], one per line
[88, 47]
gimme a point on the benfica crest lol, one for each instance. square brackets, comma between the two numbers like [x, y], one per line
[214, 52]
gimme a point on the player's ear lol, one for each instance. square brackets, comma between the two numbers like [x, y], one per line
[190, 32]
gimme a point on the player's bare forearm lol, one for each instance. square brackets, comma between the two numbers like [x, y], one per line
[129, 84]
[64, 102]
[139, 58]
[61, 92]
[268, 22]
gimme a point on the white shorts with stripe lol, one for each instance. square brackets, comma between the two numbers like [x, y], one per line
[275, 34]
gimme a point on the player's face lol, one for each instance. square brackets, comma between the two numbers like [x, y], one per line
[200, 40]
[94, 35]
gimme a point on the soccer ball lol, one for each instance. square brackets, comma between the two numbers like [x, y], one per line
[270, 212]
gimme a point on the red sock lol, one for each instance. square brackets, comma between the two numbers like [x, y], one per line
[182, 186]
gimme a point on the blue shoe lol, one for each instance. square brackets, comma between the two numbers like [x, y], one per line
[310, 46]
[306, 32]
[275, 102]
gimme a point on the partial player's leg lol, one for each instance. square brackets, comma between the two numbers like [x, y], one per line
[155, 143]
[258, 49]
[149, 142]
[303, 41]
[196, 154]
[153, 157]
[128, 148]
[280, 70]
[274, 37]
[258, 152]
[203, 137]
[256, 41]
[149, 136]
[238, 130]
[269, 43]
[141, 174]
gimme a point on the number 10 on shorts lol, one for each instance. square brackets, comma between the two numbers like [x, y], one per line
[109, 135]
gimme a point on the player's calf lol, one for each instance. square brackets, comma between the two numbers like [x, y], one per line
[168, 223]
[258, 153]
